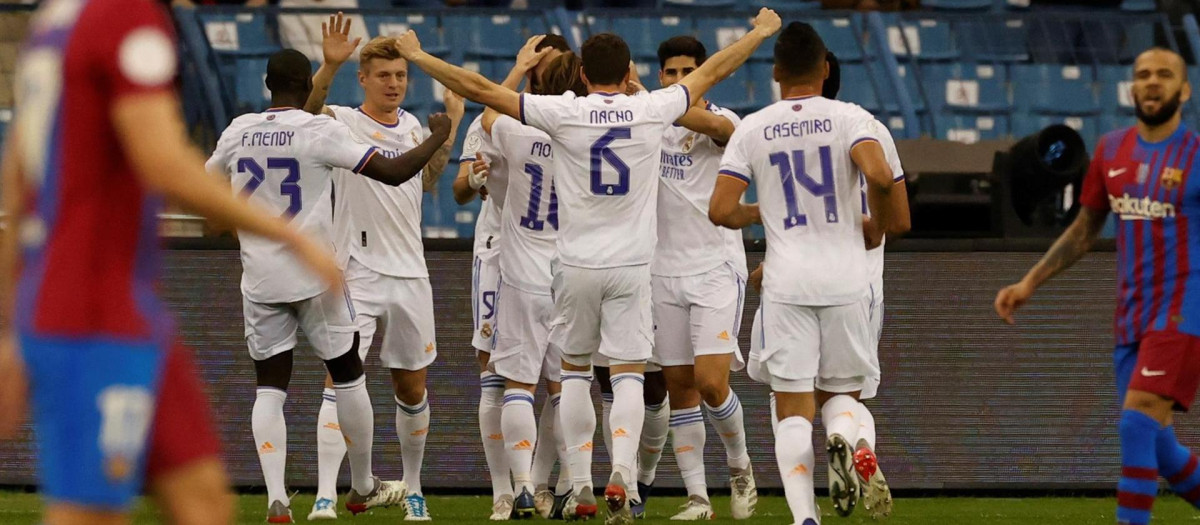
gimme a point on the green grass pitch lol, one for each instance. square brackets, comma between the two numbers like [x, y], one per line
[21, 509]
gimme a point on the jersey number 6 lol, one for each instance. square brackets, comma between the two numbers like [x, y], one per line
[792, 171]
[289, 187]
[601, 154]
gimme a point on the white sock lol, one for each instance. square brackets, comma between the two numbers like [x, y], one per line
[577, 417]
[866, 426]
[520, 435]
[796, 460]
[270, 436]
[545, 452]
[412, 425]
[606, 402]
[357, 419]
[564, 459]
[491, 404]
[727, 420]
[837, 416]
[331, 446]
[654, 438]
[774, 415]
[626, 419]
[688, 436]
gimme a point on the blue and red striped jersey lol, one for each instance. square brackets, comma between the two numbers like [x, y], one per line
[1154, 191]
[89, 232]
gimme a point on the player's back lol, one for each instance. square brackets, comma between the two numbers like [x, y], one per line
[283, 161]
[607, 157]
[89, 237]
[798, 151]
[530, 215]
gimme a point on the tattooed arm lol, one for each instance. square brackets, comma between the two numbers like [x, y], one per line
[433, 170]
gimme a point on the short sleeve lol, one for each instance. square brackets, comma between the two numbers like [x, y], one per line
[863, 127]
[889, 151]
[502, 131]
[735, 163]
[546, 112]
[336, 145]
[671, 102]
[1094, 194]
[136, 48]
[473, 143]
[219, 161]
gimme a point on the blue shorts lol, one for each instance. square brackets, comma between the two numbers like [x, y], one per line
[93, 403]
[1124, 363]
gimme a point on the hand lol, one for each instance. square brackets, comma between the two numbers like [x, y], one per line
[480, 169]
[756, 278]
[633, 87]
[767, 22]
[335, 36]
[872, 234]
[528, 57]
[13, 386]
[408, 45]
[439, 125]
[1012, 298]
[455, 107]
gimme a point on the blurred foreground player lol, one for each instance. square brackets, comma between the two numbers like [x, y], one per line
[1143, 174]
[98, 144]
[284, 160]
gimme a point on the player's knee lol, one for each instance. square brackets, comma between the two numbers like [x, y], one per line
[1151, 404]
[346, 367]
[275, 371]
[712, 389]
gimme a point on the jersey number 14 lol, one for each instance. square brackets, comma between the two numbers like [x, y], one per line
[792, 173]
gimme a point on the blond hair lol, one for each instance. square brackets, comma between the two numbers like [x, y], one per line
[381, 47]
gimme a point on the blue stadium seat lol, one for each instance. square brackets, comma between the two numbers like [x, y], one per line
[733, 92]
[1109, 122]
[1138, 6]
[643, 33]
[718, 32]
[958, 5]
[786, 5]
[842, 35]
[1025, 125]
[486, 35]
[345, 90]
[995, 38]
[1139, 36]
[970, 128]
[243, 33]
[250, 88]
[924, 38]
[762, 86]
[426, 27]
[1115, 97]
[858, 88]
[1053, 89]
[883, 86]
[420, 97]
[709, 4]
[982, 87]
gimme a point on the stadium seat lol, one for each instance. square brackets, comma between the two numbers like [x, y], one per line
[708, 4]
[958, 5]
[1108, 122]
[924, 38]
[982, 87]
[420, 97]
[1115, 96]
[970, 128]
[763, 89]
[884, 87]
[1138, 6]
[243, 33]
[250, 87]
[498, 35]
[1138, 37]
[1025, 125]
[733, 92]
[719, 32]
[345, 90]
[643, 33]
[426, 27]
[858, 88]
[841, 35]
[1052, 89]
[786, 5]
[994, 38]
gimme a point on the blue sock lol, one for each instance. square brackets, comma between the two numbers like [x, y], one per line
[1177, 463]
[1139, 467]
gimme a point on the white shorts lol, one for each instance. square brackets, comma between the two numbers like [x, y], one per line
[327, 321]
[698, 315]
[871, 389]
[603, 310]
[404, 308]
[485, 284]
[799, 348]
[523, 352]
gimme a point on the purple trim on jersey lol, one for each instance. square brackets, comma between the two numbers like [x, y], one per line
[734, 174]
[863, 139]
[687, 92]
[362, 163]
[805, 97]
[276, 110]
[605, 94]
[521, 110]
[377, 121]
[898, 178]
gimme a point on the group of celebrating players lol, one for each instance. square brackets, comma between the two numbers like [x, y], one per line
[606, 248]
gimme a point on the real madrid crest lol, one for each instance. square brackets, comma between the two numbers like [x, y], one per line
[1171, 178]
[689, 142]
[486, 330]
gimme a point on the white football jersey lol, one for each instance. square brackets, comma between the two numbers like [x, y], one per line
[377, 224]
[530, 223]
[798, 153]
[487, 224]
[875, 257]
[689, 243]
[607, 149]
[283, 161]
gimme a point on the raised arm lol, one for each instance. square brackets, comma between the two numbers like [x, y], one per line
[719, 66]
[701, 120]
[469, 84]
[437, 164]
[527, 59]
[336, 48]
[399, 170]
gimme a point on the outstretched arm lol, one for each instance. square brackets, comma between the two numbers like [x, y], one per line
[527, 59]
[701, 120]
[469, 84]
[726, 61]
[441, 157]
[399, 170]
[337, 48]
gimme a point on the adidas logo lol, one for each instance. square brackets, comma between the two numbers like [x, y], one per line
[620, 433]
[523, 445]
[496, 436]
[586, 447]
[729, 434]
[421, 432]
[333, 426]
[685, 448]
[266, 448]
[724, 335]
[800, 470]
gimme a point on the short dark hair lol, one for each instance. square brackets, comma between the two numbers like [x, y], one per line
[799, 51]
[681, 46]
[605, 59]
[552, 40]
[288, 72]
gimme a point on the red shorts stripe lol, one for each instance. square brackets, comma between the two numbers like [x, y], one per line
[1135, 501]
[1143, 473]
[1186, 472]
[183, 431]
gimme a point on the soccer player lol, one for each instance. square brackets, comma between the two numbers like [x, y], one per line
[480, 165]
[98, 143]
[807, 152]
[606, 229]
[698, 278]
[378, 230]
[1143, 174]
[283, 159]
